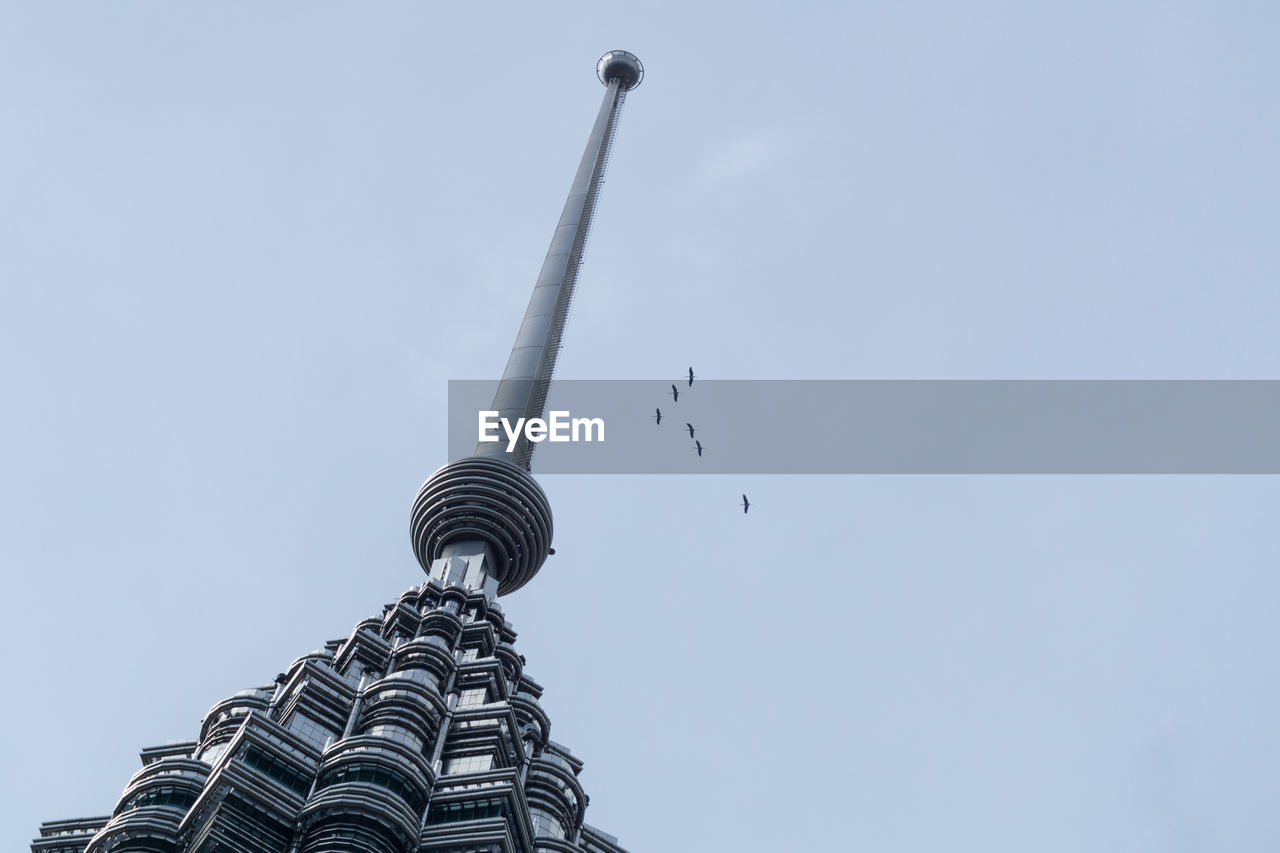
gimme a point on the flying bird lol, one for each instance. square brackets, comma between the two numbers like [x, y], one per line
[746, 504]
[690, 426]
[675, 393]
[658, 416]
[690, 377]
[699, 443]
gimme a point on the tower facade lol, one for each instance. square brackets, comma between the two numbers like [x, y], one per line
[419, 731]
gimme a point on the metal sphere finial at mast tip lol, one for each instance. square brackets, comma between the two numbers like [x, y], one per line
[622, 65]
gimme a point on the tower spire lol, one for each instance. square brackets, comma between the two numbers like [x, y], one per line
[522, 393]
[483, 522]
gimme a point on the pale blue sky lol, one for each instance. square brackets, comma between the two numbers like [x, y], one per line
[243, 248]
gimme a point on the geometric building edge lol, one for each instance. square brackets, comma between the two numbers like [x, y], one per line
[420, 731]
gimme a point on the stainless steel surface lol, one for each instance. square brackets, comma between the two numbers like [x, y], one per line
[486, 510]
[489, 501]
[522, 393]
[623, 66]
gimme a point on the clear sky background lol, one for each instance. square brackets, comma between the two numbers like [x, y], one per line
[244, 246]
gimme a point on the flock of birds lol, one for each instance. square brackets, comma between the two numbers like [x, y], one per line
[675, 398]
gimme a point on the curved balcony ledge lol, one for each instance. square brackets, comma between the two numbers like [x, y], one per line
[365, 799]
[378, 750]
[172, 770]
[147, 828]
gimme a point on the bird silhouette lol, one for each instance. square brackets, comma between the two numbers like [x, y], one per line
[690, 426]
[675, 393]
[746, 504]
[658, 416]
[699, 443]
[690, 377]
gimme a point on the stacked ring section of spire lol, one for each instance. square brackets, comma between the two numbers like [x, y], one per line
[481, 498]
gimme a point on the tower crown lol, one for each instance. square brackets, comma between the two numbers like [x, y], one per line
[420, 730]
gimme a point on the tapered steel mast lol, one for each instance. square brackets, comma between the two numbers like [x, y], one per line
[482, 521]
[522, 393]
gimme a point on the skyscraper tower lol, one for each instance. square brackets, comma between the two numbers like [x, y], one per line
[420, 731]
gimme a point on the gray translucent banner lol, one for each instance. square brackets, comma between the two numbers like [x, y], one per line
[899, 427]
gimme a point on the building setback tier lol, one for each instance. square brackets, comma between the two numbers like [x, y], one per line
[420, 731]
